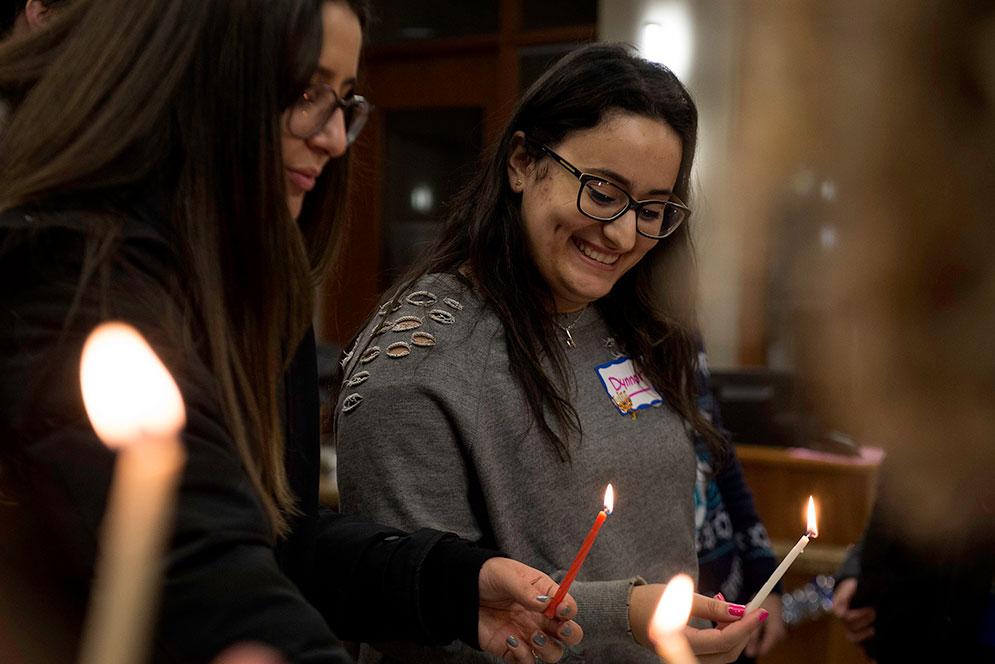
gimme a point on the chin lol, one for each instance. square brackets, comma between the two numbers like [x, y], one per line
[295, 204]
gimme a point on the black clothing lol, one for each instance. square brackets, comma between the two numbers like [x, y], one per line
[225, 581]
[930, 593]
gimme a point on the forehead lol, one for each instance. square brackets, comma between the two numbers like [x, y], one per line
[639, 152]
[342, 38]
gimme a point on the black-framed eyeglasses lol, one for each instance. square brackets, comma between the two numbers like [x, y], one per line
[315, 107]
[605, 201]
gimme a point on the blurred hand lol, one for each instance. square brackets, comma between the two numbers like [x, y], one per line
[717, 645]
[249, 653]
[858, 623]
[771, 630]
[512, 623]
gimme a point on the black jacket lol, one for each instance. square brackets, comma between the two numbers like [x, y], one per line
[225, 580]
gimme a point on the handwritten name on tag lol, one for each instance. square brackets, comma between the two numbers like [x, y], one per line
[628, 390]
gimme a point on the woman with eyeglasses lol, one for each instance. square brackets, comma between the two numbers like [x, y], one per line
[545, 347]
[185, 186]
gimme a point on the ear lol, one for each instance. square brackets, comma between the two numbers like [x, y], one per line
[36, 14]
[520, 164]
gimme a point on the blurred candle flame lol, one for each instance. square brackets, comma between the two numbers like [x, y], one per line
[128, 393]
[673, 609]
[813, 527]
[609, 499]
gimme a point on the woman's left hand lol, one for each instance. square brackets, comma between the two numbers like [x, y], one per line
[771, 630]
[512, 623]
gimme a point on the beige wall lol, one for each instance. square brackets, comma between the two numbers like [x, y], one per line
[712, 80]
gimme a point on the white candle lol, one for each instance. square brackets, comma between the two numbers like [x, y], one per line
[813, 531]
[669, 619]
[135, 406]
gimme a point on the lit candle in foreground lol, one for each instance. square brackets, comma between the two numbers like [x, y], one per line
[811, 531]
[135, 407]
[584, 548]
[669, 619]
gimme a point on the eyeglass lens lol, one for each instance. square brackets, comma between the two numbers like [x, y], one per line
[605, 201]
[317, 105]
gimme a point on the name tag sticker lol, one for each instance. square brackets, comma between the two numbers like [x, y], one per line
[626, 387]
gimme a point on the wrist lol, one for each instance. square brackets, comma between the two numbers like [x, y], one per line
[642, 603]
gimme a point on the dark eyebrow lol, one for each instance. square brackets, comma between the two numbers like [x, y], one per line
[624, 182]
[323, 75]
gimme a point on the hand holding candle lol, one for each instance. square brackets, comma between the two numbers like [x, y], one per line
[811, 531]
[669, 619]
[584, 548]
[136, 407]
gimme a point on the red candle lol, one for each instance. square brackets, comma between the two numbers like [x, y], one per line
[584, 548]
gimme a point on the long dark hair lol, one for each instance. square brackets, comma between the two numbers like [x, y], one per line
[651, 308]
[181, 99]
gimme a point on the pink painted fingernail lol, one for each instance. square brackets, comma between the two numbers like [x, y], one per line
[763, 615]
[737, 610]
[719, 596]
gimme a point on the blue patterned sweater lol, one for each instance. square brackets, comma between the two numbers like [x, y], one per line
[734, 554]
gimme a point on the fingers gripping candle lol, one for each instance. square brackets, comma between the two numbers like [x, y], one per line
[811, 531]
[584, 548]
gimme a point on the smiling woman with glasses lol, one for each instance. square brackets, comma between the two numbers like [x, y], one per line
[546, 346]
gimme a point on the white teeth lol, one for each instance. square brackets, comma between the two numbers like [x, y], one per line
[596, 255]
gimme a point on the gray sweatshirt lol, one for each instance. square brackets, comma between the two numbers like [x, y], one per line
[432, 431]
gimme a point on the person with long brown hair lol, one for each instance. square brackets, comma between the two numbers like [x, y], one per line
[545, 347]
[147, 174]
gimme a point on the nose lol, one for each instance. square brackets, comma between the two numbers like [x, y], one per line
[621, 233]
[331, 138]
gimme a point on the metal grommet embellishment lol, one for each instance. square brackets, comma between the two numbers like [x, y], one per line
[405, 323]
[453, 304]
[398, 349]
[370, 354]
[441, 316]
[360, 377]
[351, 402]
[423, 339]
[422, 298]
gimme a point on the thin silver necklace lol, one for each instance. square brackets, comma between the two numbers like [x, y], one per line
[566, 330]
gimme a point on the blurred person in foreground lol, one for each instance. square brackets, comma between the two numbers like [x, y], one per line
[917, 281]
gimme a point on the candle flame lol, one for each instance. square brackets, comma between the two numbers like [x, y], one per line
[813, 527]
[674, 608]
[609, 499]
[128, 393]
